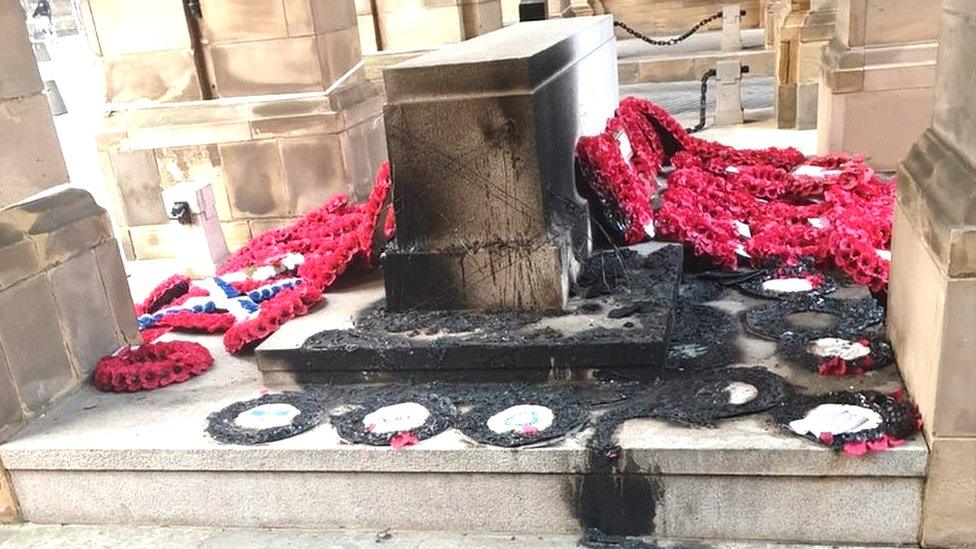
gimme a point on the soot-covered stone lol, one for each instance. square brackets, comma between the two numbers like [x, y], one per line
[223, 427]
[707, 397]
[852, 315]
[699, 290]
[702, 337]
[568, 416]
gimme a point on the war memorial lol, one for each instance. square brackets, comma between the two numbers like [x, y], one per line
[469, 268]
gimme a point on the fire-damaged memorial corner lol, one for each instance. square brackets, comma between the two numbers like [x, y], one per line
[491, 273]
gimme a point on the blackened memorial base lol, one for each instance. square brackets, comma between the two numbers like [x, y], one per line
[354, 339]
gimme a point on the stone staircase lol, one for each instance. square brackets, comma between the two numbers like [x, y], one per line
[144, 459]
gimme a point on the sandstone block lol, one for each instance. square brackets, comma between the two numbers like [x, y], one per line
[286, 65]
[162, 76]
[243, 20]
[32, 341]
[332, 15]
[298, 14]
[113, 275]
[11, 414]
[18, 68]
[164, 241]
[138, 26]
[481, 139]
[255, 179]
[314, 170]
[950, 494]
[18, 257]
[200, 163]
[138, 179]
[86, 315]
[30, 156]
[338, 52]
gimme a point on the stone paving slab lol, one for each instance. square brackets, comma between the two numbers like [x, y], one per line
[36, 536]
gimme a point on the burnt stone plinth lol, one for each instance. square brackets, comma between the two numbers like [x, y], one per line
[481, 138]
[618, 317]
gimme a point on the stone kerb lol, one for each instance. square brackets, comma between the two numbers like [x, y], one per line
[481, 138]
[64, 301]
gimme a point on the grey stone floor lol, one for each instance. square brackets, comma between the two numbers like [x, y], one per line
[681, 99]
[703, 41]
[91, 537]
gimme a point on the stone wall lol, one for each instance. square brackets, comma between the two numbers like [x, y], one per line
[30, 157]
[670, 17]
[269, 160]
[162, 52]
[64, 299]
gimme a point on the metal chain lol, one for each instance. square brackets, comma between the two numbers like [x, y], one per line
[702, 102]
[670, 41]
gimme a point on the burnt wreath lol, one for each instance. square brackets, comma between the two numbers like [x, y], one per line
[788, 283]
[855, 422]
[707, 397]
[702, 337]
[771, 322]
[266, 419]
[396, 420]
[838, 353]
[523, 418]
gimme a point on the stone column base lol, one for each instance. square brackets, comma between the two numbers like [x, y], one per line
[931, 319]
[270, 160]
[800, 44]
[875, 100]
[64, 304]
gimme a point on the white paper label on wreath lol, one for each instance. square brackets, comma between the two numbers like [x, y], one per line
[836, 419]
[741, 250]
[267, 416]
[787, 285]
[649, 230]
[523, 418]
[841, 348]
[816, 222]
[741, 393]
[731, 169]
[397, 418]
[743, 229]
[884, 254]
[626, 150]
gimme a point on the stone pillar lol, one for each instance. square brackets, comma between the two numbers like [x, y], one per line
[878, 72]
[806, 30]
[30, 157]
[774, 13]
[728, 93]
[482, 138]
[731, 27]
[293, 121]
[932, 300]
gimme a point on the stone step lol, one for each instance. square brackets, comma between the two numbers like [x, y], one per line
[144, 459]
[34, 535]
